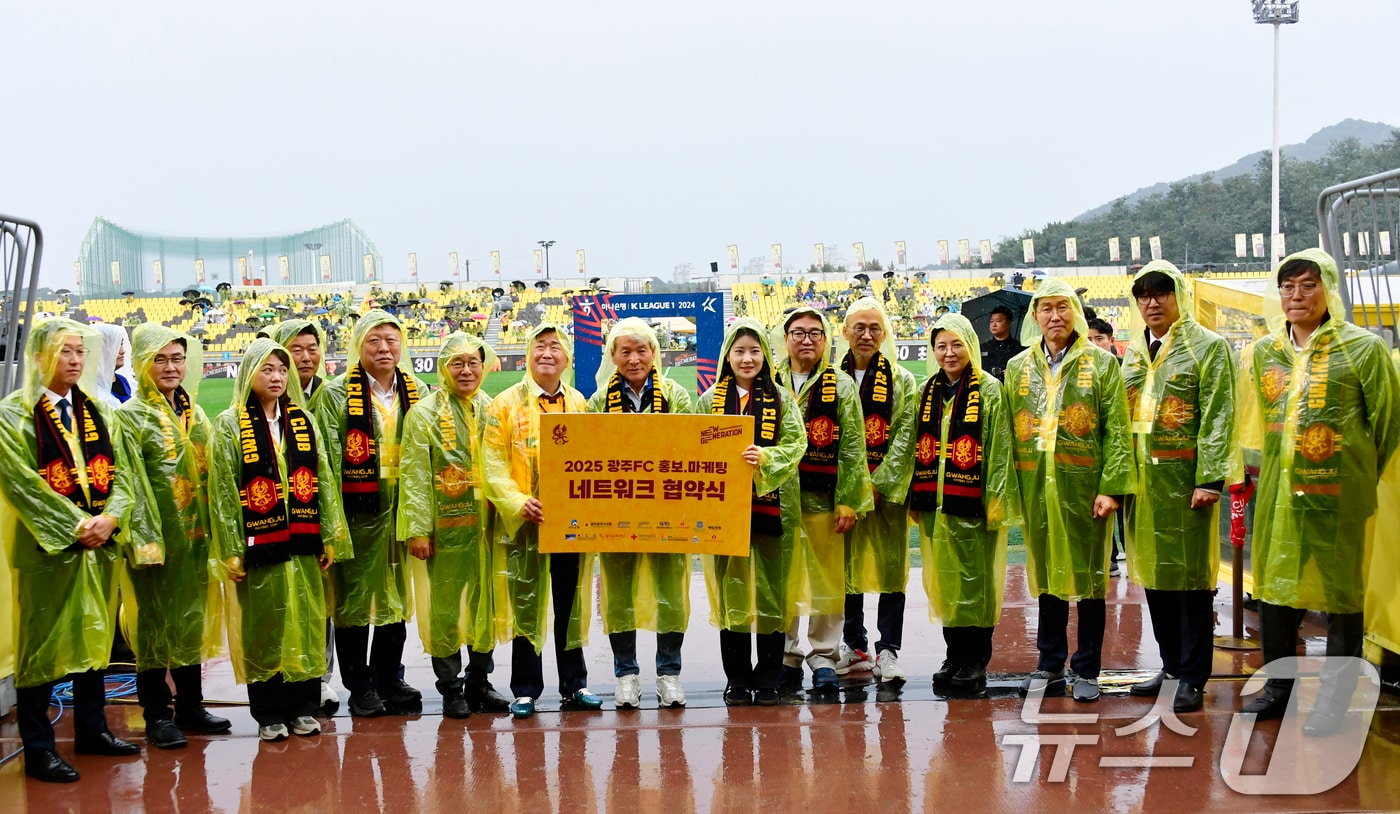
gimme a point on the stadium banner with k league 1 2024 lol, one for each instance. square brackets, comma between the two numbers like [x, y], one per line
[673, 484]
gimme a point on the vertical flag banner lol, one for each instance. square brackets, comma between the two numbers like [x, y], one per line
[1319, 240]
[284, 265]
[777, 256]
[1385, 243]
[1241, 245]
[942, 252]
[369, 267]
[964, 251]
[199, 270]
[539, 261]
[1346, 244]
[1115, 250]
[901, 258]
[1154, 244]
[1257, 239]
[733, 257]
[326, 267]
[159, 268]
[1279, 247]
[496, 263]
[452, 263]
[77, 272]
[413, 265]
[243, 269]
[1135, 248]
[1028, 250]
[859, 249]
[819, 252]
[116, 272]
[1071, 250]
[582, 272]
[985, 248]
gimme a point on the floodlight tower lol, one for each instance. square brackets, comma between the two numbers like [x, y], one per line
[1276, 13]
[546, 244]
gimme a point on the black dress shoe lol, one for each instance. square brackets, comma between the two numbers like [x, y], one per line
[46, 766]
[945, 672]
[737, 697]
[483, 697]
[1151, 686]
[104, 743]
[1325, 720]
[366, 705]
[766, 697]
[1267, 706]
[455, 706]
[968, 677]
[1187, 698]
[202, 721]
[398, 692]
[164, 735]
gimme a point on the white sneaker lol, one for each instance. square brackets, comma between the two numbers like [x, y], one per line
[888, 669]
[306, 725]
[629, 692]
[669, 693]
[275, 732]
[330, 702]
[853, 661]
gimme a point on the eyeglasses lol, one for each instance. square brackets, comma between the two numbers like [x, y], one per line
[1157, 298]
[162, 361]
[456, 365]
[873, 330]
[1289, 289]
[799, 335]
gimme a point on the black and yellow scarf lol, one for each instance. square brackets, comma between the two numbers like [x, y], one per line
[278, 524]
[359, 478]
[817, 470]
[962, 477]
[877, 405]
[618, 402]
[55, 457]
[765, 404]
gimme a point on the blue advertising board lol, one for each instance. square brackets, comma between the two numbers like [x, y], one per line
[595, 313]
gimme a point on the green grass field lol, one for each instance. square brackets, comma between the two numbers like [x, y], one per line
[215, 394]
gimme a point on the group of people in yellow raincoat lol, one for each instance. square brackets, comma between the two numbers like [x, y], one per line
[379, 499]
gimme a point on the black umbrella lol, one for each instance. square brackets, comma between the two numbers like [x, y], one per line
[517, 285]
[498, 292]
[224, 287]
[978, 310]
[889, 275]
[593, 281]
[128, 293]
[61, 292]
[862, 278]
[192, 293]
[542, 285]
[205, 301]
[186, 302]
[997, 274]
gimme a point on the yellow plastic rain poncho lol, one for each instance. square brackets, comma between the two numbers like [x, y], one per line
[1071, 445]
[1326, 420]
[1183, 421]
[442, 498]
[877, 550]
[276, 616]
[826, 564]
[64, 594]
[965, 558]
[762, 591]
[172, 606]
[372, 588]
[288, 329]
[646, 591]
[512, 457]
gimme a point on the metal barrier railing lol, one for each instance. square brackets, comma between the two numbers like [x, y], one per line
[21, 252]
[1360, 226]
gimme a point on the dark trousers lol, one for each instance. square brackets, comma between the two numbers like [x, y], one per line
[1278, 633]
[668, 653]
[526, 666]
[1183, 622]
[277, 702]
[889, 620]
[154, 693]
[969, 646]
[89, 718]
[736, 654]
[363, 669]
[1052, 635]
[449, 671]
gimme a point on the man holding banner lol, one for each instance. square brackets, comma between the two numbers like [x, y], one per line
[877, 550]
[835, 483]
[511, 450]
[650, 591]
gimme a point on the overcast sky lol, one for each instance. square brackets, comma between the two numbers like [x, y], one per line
[649, 134]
